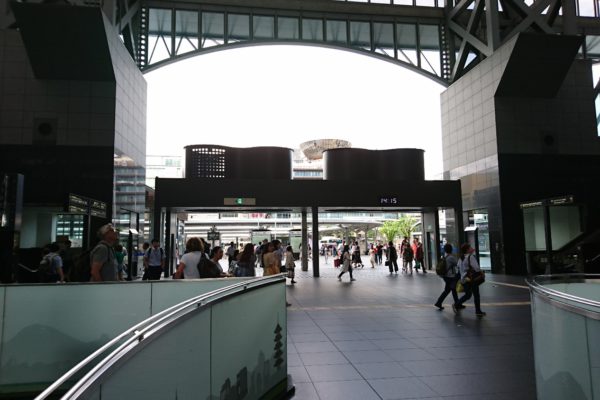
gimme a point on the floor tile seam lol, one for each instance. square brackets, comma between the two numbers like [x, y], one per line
[401, 306]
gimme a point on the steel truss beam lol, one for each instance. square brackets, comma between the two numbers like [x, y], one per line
[484, 25]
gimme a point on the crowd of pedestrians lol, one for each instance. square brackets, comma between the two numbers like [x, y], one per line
[107, 263]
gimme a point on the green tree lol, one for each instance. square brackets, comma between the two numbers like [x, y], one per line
[390, 229]
[406, 225]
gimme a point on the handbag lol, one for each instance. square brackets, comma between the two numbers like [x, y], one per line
[387, 263]
[475, 277]
[459, 287]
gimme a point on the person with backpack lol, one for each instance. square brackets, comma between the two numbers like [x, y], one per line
[51, 266]
[154, 261]
[471, 277]
[407, 258]
[103, 260]
[447, 269]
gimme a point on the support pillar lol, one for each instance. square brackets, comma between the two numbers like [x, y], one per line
[304, 253]
[315, 241]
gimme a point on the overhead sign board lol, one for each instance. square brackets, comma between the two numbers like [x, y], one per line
[210, 235]
[388, 200]
[84, 205]
[239, 201]
[556, 201]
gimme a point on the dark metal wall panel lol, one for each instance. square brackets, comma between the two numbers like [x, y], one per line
[189, 194]
[394, 164]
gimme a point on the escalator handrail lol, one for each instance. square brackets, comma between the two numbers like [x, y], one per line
[25, 267]
[555, 296]
[139, 330]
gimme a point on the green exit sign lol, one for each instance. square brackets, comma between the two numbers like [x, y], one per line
[239, 201]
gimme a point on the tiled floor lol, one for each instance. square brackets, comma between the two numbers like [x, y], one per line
[381, 338]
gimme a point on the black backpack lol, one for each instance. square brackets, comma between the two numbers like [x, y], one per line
[206, 268]
[442, 267]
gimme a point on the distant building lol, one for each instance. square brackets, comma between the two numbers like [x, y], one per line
[164, 167]
[308, 159]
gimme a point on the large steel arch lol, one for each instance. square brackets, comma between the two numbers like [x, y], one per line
[169, 35]
[231, 46]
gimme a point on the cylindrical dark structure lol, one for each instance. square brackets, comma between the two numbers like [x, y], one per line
[212, 161]
[362, 164]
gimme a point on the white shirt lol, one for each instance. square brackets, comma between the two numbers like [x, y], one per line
[191, 260]
[470, 260]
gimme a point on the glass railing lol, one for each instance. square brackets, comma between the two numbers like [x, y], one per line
[228, 343]
[566, 329]
[47, 329]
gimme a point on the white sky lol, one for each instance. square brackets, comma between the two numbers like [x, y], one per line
[285, 95]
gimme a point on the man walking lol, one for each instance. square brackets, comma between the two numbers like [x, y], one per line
[154, 261]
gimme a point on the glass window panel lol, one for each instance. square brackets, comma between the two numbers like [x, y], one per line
[263, 27]
[406, 37]
[312, 29]
[426, 3]
[586, 8]
[336, 32]
[360, 35]
[213, 29]
[186, 31]
[533, 223]
[430, 48]
[159, 33]
[404, 2]
[381, 1]
[592, 45]
[383, 38]
[564, 225]
[288, 28]
[238, 27]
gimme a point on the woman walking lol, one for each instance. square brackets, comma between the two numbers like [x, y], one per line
[346, 263]
[470, 273]
[246, 262]
[290, 264]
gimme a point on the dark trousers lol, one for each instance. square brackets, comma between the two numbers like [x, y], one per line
[393, 265]
[379, 258]
[154, 272]
[349, 270]
[449, 287]
[471, 290]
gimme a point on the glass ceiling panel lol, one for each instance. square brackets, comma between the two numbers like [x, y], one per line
[159, 22]
[312, 29]
[213, 29]
[360, 35]
[238, 27]
[263, 27]
[336, 32]
[383, 38]
[288, 28]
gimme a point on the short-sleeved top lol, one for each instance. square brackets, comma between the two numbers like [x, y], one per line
[105, 254]
[191, 260]
[155, 256]
[451, 264]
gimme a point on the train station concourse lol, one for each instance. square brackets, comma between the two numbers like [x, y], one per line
[521, 166]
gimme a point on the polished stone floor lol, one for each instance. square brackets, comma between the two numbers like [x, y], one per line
[380, 337]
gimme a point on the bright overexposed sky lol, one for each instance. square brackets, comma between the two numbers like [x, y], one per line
[285, 95]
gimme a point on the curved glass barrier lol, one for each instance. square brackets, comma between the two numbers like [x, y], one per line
[46, 329]
[566, 336]
[229, 343]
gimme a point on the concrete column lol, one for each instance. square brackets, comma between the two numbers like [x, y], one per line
[165, 242]
[315, 241]
[304, 241]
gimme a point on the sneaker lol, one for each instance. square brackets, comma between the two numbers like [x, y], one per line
[339, 278]
[455, 308]
[461, 306]
[352, 280]
[480, 314]
[293, 281]
[287, 304]
[439, 306]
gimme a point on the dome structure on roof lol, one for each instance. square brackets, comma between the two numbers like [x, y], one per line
[313, 149]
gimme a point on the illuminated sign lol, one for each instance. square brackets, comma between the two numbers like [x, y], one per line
[239, 201]
[388, 200]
